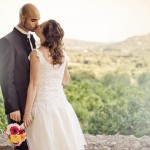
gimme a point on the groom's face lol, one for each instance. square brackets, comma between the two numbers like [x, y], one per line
[30, 20]
[31, 24]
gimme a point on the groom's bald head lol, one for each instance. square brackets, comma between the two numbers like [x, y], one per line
[29, 17]
[29, 10]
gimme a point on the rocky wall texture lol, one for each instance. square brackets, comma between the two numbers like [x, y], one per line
[117, 142]
[104, 142]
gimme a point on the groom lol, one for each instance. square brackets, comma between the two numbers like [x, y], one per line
[15, 48]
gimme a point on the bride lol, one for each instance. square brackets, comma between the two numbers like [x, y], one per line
[50, 119]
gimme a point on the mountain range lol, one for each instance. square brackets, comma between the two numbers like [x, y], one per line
[139, 42]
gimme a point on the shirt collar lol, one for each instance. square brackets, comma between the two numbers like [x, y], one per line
[23, 32]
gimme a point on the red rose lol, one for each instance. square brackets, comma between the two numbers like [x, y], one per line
[14, 130]
[21, 131]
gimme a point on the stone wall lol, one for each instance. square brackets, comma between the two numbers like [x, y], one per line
[104, 142]
[3, 144]
[117, 142]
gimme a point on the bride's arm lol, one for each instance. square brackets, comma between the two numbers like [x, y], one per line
[66, 76]
[34, 76]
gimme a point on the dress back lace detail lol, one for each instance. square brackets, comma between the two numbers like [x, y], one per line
[50, 87]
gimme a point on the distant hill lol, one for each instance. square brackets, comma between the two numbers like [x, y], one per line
[74, 44]
[132, 43]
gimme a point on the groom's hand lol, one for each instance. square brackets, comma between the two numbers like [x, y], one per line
[16, 116]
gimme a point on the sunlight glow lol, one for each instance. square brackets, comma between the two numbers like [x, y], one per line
[93, 20]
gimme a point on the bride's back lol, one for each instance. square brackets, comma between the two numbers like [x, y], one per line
[50, 75]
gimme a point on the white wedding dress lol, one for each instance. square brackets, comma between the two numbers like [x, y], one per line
[55, 125]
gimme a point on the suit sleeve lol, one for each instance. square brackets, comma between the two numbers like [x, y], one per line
[7, 82]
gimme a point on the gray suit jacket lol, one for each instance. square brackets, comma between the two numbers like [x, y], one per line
[14, 69]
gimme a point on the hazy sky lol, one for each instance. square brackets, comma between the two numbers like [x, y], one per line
[95, 20]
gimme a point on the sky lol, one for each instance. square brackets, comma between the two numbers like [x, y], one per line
[90, 20]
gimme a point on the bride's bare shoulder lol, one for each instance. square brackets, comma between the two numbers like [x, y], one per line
[42, 49]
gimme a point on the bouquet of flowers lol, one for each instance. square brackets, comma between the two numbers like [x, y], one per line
[15, 134]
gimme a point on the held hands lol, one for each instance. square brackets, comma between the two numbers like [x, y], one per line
[27, 119]
[16, 116]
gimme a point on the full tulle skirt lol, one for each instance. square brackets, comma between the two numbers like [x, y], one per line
[54, 127]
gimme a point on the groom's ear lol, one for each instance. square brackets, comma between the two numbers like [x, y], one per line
[22, 18]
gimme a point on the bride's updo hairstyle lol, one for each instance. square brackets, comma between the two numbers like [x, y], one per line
[54, 34]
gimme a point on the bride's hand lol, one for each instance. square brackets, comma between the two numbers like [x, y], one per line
[27, 119]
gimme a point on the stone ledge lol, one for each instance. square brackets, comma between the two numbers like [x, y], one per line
[6, 148]
[3, 144]
[103, 142]
[117, 142]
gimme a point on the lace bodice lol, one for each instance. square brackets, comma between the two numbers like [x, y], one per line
[50, 81]
[50, 75]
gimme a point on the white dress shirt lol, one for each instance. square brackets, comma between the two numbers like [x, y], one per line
[27, 33]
